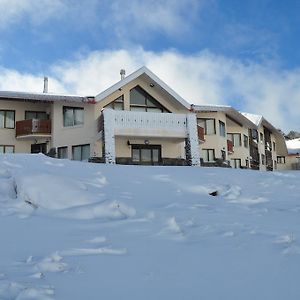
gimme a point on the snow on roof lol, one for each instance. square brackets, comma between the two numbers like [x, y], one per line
[293, 146]
[136, 74]
[229, 110]
[43, 97]
[256, 119]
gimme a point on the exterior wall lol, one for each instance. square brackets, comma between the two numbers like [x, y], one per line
[8, 136]
[242, 152]
[74, 135]
[214, 141]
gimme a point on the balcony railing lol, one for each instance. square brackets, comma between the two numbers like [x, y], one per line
[230, 147]
[33, 127]
[200, 133]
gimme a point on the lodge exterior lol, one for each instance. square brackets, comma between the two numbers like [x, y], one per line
[138, 120]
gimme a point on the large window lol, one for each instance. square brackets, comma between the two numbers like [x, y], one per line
[222, 128]
[7, 119]
[117, 104]
[281, 159]
[235, 138]
[246, 141]
[140, 100]
[62, 152]
[40, 115]
[81, 152]
[208, 155]
[208, 125]
[73, 116]
[146, 155]
[7, 149]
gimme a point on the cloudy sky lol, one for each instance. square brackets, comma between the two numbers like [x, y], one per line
[240, 53]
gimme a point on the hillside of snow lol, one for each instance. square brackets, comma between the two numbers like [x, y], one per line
[74, 230]
[293, 146]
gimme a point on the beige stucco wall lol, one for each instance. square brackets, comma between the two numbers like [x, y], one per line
[74, 135]
[8, 136]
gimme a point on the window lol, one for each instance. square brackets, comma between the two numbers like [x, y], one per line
[147, 155]
[72, 116]
[7, 119]
[246, 141]
[263, 161]
[7, 149]
[274, 146]
[222, 128]
[235, 138]
[275, 164]
[223, 154]
[62, 152]
[117, 104]
[40, 115]
[208, 155]
[208, 125]
[247, 163]
[236, 163]
[281, 159]
[261, 137]
[254, 134]
[140, 100]
[81, 152]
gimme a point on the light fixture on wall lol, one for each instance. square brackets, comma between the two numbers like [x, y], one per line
[151, 84]
[146, 142]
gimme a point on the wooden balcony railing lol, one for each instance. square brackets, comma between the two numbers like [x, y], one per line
[230, 146]
[200, 133]
[33, 127]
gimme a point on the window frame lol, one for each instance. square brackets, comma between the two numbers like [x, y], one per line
[208, 151]
[205, 125]
[36, 112]
[222, 125]
[235, 160]
[65, 108]
[118, 100]
[4, 149]
[281, 160]
[155, 104]
[81, 146]
[62, 148]
[5, 121]
[246, 141]
[230, 136]
[140, 147]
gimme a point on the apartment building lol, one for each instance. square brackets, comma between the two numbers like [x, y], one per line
[138, 120]
[292, 160]
[226, 136]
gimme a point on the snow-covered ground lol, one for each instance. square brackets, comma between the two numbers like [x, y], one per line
[72, 230]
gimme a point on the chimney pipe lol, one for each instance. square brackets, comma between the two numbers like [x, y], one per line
[122, 73]
[45, 85]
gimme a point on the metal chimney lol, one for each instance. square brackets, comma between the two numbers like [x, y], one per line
[45, 85]
[122, 73]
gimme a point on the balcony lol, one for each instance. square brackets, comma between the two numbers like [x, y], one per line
[144, 124]
[230, 147]
[200, 133]
[34, 128]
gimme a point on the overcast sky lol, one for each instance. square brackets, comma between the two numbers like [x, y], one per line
[240, 53]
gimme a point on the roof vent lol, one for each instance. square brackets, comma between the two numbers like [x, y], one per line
[45, 85]
[122, 73]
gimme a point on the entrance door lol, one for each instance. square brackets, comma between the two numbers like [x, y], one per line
[39, 148]
[146, 154]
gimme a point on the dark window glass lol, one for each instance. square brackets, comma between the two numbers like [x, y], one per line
[40, 115]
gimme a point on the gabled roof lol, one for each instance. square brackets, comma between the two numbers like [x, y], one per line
[230, 111]
[4, 95]
[136, 74]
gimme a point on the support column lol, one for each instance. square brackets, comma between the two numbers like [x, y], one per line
[192, 143]
[109, 136]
